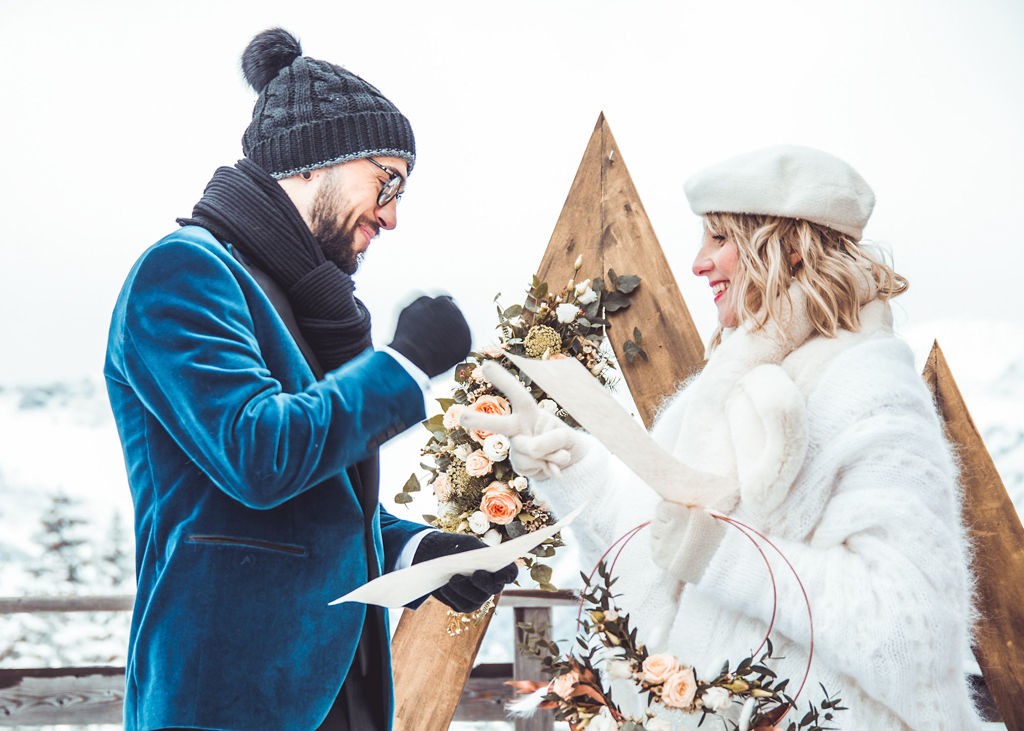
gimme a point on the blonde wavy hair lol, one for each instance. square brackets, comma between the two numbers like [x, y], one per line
[830, 269]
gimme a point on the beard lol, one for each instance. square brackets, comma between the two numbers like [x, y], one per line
[335, 235]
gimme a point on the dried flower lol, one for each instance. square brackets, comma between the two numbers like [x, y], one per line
[542, 339]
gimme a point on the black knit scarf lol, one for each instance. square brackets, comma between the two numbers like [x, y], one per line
[244, 206]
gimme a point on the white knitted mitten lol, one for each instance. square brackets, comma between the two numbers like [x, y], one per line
[683, 540]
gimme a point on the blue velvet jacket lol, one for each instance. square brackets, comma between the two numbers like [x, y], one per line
[246, 520]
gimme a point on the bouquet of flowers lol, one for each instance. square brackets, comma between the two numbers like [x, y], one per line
[605, 638]
[477, 490]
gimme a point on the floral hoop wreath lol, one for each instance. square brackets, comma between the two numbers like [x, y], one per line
[578, 696]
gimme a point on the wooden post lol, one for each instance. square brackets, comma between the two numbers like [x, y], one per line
[527, 667]
[431, 667]
[998, 541]
[604, 221]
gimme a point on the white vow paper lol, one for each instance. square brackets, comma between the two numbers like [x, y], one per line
[398, 588]
[570, 385]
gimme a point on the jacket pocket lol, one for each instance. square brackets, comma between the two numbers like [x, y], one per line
[214, 540]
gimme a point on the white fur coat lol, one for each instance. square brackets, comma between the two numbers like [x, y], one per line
[838, 456]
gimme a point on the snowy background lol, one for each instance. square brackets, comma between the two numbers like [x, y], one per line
[116, 114]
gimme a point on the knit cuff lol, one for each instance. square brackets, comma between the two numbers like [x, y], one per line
[580, 483]
[737, 574]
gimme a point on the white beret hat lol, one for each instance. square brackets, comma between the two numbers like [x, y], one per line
[788, 181]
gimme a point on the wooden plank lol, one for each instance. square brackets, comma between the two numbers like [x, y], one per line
[486, 693]
[604, 220]
[431, 667]
[998, 541]
[46, 696]
[32, 604]
[528, 667]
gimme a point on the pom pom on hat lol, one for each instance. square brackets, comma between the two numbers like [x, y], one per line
[268, 53]
[789, 181]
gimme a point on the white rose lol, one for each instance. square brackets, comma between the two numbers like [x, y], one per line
[496, 447]
[548, 405]
[582, 287]
[618, 669]
[491, 537]
[588, 297]
[478, 523]
[657, 724]
[567, 312]
[519, 483]
[716, 699]
[603, 721]
[463, 451]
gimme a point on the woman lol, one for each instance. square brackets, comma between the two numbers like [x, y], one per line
[812, 410]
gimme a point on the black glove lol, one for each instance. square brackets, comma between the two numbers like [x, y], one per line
[432, 333]
[463, 593]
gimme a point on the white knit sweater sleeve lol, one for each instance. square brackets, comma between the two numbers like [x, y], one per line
[615, 499]
[873, 529]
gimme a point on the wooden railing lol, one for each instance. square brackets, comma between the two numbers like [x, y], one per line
[95, 695]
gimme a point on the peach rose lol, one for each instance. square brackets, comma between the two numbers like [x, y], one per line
[442, 487]
[658, 668]
[679, 689]
[500, 504]
[451, 416]
[564, 685]
[477, 464]
[488, 404]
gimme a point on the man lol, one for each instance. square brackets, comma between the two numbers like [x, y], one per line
[251, 405]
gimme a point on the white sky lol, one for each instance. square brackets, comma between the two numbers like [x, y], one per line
[115, 114]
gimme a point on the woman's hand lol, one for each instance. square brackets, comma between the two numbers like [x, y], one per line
[540, 443]
[683, 540]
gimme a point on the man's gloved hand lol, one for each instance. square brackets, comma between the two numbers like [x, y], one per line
[433, 334]
[540, 443]
[683, 540]
[463, 593]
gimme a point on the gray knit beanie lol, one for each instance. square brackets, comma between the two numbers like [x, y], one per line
[311, 114]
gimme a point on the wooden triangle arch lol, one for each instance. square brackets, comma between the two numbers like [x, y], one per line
[604, 221]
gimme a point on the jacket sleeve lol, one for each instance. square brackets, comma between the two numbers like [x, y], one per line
[191, 355]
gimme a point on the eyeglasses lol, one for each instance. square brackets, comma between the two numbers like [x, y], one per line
[392, 188]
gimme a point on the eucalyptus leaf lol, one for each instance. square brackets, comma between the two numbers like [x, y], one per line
[626, 283]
